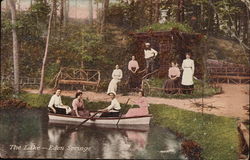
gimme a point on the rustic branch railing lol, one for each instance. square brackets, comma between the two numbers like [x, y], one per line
[23, 81]
[229, 74]
[75, 76]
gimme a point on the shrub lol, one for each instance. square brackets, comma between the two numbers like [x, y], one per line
[166, 27]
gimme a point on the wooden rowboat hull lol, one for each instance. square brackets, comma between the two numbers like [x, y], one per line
[135, 120]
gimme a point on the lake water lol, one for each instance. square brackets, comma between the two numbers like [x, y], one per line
[28, 134]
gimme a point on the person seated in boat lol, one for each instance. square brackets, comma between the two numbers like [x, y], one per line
[78, 106]
[173, 83]
[143, 107]
[113, 110]
[56, 105]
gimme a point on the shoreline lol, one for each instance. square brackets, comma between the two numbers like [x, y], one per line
[228, 104]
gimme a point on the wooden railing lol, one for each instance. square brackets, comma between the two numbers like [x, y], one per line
[74, 76]
[229, 74]
[23, 81]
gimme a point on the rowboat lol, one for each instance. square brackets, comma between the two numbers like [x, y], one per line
[68, 119]
[124, 127]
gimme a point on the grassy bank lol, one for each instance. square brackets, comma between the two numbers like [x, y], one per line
[39, 101]
[199, 90]
[217, 136]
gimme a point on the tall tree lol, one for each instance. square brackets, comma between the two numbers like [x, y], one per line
[157, 11]
[104, 14]
[12, 6]
[46, 49]
[62, 12]
[66, 12]
[54, 13]
[90, 12]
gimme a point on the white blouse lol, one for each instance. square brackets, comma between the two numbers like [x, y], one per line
[55, 100]
[114, 105]
[149, 53]
[117, 74]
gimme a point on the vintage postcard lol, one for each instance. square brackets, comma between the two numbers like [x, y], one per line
[125, 79]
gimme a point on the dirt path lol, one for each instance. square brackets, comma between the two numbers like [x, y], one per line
[227, 104]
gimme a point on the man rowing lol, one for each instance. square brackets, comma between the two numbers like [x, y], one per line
[113, 110]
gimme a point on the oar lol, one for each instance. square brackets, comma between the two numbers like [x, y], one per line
[121, 114]
[85, 120]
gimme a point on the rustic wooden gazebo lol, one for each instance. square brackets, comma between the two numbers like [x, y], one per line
[171, 45]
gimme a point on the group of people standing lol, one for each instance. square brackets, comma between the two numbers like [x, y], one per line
[133, 68]
[175, 80]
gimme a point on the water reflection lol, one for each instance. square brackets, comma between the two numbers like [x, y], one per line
[38, 139]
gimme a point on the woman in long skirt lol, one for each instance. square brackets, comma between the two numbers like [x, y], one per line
[117, 76]
[188, 73]
[134, 79]
[172, 84]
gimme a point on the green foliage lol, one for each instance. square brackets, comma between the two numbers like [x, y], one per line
[35, 100]
[166, 27]
[217, 136]
[200, 90]
[7, 91]
[31, 26]
[130, 16]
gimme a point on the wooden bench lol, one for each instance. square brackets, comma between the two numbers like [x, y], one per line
[75, 76]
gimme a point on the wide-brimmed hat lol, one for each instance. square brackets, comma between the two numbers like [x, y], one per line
[111, 93]
[147, 44]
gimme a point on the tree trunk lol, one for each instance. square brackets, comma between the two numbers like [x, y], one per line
[18, 5]
[54, 13]
[210, 15]
[104, 14]
[12, 7]
[182, 14]
[66, 12]
[178, 12]
[46, 49]
[217, 22]
[90, 12]
[151, 12]
[62, 12]
[246, 26]
[157, 11]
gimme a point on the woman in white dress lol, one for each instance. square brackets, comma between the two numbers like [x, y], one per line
[56, 105]
[117, 76]
[188, 73]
